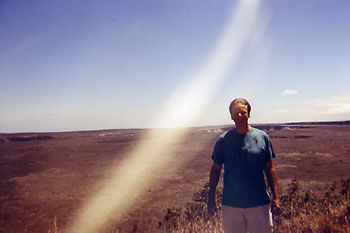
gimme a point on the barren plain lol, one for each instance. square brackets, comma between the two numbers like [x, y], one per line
[48, 176]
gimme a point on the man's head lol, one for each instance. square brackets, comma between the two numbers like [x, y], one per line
[240, 110]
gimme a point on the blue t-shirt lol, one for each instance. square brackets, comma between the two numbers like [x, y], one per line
[244, 157]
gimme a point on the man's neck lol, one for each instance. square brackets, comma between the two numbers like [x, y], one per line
[242, 129]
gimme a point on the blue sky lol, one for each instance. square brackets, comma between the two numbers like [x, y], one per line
[80, 65]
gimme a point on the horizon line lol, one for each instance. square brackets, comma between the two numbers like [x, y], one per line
[341, 122]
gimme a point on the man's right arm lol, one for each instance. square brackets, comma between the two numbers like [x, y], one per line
[213, 182]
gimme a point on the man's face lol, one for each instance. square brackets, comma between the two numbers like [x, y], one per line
[239, 114]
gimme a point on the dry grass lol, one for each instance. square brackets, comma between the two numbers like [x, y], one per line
[302, 211]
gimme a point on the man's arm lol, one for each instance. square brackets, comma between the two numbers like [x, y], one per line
[271, 176]
[213, 182]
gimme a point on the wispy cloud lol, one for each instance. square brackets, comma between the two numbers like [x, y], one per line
[289, 92]
[334, 108]
[27, 43]
[336, 105]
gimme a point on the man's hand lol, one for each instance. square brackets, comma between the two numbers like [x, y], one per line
[270, 172]
[213, 181]
[275, 207]
[211, 207]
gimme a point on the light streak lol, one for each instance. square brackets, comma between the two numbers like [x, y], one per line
[144, 164]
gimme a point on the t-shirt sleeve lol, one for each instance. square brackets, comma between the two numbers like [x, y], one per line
[218, 155]
[269, 150]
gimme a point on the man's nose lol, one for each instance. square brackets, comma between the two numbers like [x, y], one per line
[239, 114]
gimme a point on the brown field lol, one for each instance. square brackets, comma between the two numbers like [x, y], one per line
[44, 176]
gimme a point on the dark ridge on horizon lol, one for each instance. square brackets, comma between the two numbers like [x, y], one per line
[313, 123]
[320, 123]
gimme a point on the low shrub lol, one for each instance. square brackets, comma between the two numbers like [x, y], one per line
[301, 211]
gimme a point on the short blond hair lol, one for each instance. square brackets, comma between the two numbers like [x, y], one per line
[240, 101]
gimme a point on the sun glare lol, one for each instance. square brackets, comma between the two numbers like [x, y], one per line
[142, 166]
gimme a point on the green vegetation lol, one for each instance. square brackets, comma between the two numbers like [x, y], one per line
[301, 211]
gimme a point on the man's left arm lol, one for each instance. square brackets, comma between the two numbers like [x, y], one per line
[271, 176]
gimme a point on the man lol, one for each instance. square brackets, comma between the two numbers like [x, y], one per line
[246, 153]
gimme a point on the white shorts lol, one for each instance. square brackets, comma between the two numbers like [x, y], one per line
[243, 220]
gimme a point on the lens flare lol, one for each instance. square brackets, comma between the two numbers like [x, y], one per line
[153, 154]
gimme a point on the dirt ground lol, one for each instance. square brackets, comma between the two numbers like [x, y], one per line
[50, 175]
